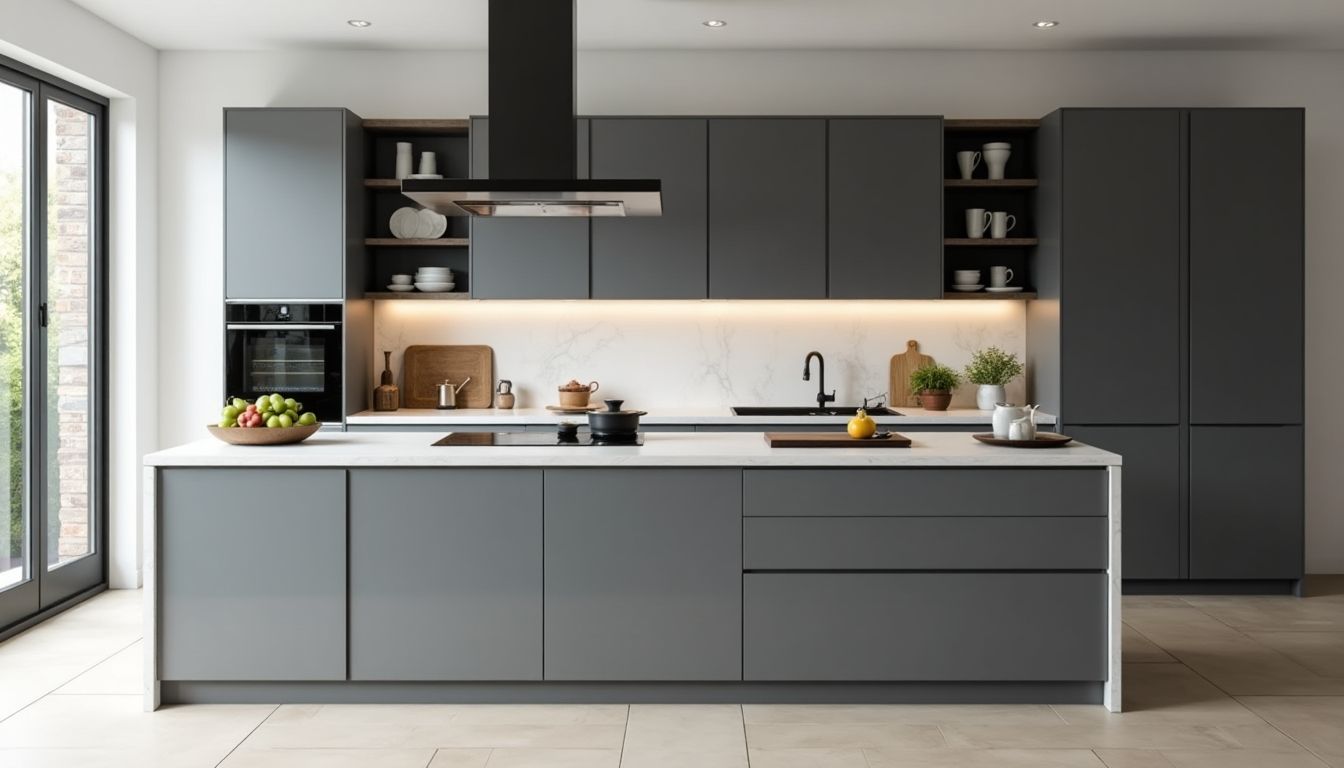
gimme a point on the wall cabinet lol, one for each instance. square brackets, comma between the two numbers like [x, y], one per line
[445, 574]
[643, 574]
[252, 586]
[885, 208]
[292, 196]
[527, 258]
[767, 208]
[663, 257]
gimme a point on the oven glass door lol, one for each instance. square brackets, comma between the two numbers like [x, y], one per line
[302, 363]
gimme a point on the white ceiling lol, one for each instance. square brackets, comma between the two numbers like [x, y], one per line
[625, 24]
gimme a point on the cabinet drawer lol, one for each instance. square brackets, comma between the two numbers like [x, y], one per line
[924, 626]
[924, 543]
[924, 492]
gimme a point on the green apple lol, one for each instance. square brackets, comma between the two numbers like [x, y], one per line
[239, 403]
[273, 422]
[226, 423]
[229, 413]
[308, 419]
[285, 420]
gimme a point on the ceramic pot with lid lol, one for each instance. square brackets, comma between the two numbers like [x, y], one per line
[614, 422]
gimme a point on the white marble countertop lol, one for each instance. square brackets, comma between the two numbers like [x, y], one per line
[688, 449]
[662, 416]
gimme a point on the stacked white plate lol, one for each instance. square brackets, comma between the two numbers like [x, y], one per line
[417, 223]
[434, 279]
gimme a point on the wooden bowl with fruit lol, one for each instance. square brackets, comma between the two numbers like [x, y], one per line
[270, 420]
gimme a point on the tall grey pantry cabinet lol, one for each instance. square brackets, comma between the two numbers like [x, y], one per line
[293, 220]
[1170, 257]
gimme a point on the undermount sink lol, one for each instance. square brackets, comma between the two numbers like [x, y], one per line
[830, 410]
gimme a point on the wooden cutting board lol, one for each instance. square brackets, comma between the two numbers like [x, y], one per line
[832, 440]
[901, 367]
[425, 365]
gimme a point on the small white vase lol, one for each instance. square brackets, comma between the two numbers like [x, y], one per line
[404, 159]
[988, 395]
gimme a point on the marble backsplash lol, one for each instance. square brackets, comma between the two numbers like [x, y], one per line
[703, 353]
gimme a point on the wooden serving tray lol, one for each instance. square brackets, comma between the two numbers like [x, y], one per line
[833, 440]
[425, 365]
[1043, 440]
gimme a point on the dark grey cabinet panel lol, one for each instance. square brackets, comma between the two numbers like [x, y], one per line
[527, 258]
[1151, 506]
[643, 574]
[1121, 291]
[886, 208]
[924, 626]
[284, 203]
[445, 574]
[923, 492]
[1246, 500]
[663, 257]
[924, 543]
[252, 586]
[767, 208]
[1246, 265]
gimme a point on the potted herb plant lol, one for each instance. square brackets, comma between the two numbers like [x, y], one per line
[991, 368]
[934, 384]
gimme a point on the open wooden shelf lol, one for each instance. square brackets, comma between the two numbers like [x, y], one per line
[990, 183]
[418, 126]
[988, 125]
[990, 242]
[417, 295]
[415, 242]
[983, 296]
[383, 184]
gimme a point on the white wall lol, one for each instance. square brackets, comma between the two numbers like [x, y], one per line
[65, 40]
[194, 86]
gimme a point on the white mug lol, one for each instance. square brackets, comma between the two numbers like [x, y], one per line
[1000, 224]
[996, 156]
[403, 159]
[428, 163]
[966, 276]
[1000, 277]
[977, 219]
[967, 162]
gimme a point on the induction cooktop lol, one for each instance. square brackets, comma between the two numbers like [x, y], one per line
[523, 439]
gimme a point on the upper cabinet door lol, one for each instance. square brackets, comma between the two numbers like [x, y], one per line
[284, 203]
[660, 257]
[522, 258]
[1121, 240]
[767, 208]
[1246, 266]
[886, 208]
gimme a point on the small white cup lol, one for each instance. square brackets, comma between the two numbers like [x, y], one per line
[401, 279]
[966, 277]
[1000, 224]
[428, 163]
[977, 220]
[967, 162]
[1000, 277]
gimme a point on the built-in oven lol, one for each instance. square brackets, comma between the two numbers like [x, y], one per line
[293, 349]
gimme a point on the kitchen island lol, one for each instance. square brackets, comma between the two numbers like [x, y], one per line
[696, 567]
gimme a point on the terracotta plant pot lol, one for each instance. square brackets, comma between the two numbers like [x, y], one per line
[935, 399]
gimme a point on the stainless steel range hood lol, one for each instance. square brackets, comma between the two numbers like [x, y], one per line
[533, 133]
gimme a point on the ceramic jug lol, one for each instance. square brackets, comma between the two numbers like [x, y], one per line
[1004, 416]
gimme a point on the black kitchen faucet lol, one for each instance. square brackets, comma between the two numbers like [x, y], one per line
[822, 397]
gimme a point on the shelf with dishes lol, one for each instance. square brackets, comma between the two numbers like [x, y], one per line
[417, 296]
[417, 242]
[990, 184]
[986, 295]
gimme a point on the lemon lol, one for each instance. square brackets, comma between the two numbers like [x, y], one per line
[862, 425]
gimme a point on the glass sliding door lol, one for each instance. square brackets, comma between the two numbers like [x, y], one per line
[52, 193]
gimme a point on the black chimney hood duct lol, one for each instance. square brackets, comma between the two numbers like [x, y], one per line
[533, 134]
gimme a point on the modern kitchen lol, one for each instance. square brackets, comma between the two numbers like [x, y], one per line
[558, 424]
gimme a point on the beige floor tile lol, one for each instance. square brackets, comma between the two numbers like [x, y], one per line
[907, 714]
[1244, 667]
[1110, 735]
[733, 759]
[88, 758]
[681, 728]
[843, 736]
[1273, 614]
[1133, 758]
[1134, 602]
[495, 736]
[808, 758]
[540, 714]
[460, 758]
[1165, 693]
[982, 758]
[328, 758]
[122, 673]
[1241, 758]
[1315, 722]
[1320, 652]
[554, 758]
[1138, 649]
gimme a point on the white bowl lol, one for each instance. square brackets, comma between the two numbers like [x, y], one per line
[435, 287]
[400, 288]
[434, 271]
[967, 288]
[401, 279]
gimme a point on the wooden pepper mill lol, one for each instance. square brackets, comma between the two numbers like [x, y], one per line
[386, 396]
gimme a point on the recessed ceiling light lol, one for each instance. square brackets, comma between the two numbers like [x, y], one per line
[1047, 24]
[715, 23]
[359, 23]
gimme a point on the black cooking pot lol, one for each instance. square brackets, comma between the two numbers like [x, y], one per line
[614, 422]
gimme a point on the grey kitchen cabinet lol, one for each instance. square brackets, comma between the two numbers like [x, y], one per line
[445, 574]
[527, 258]
[251, 574]
[659, 257]
[924, 626]
[1152, 495]
[885, 207]
[767, 208]
[1121, 292]
[643, 574]
[1246, 265]
[292, 197]
[1246, 500]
